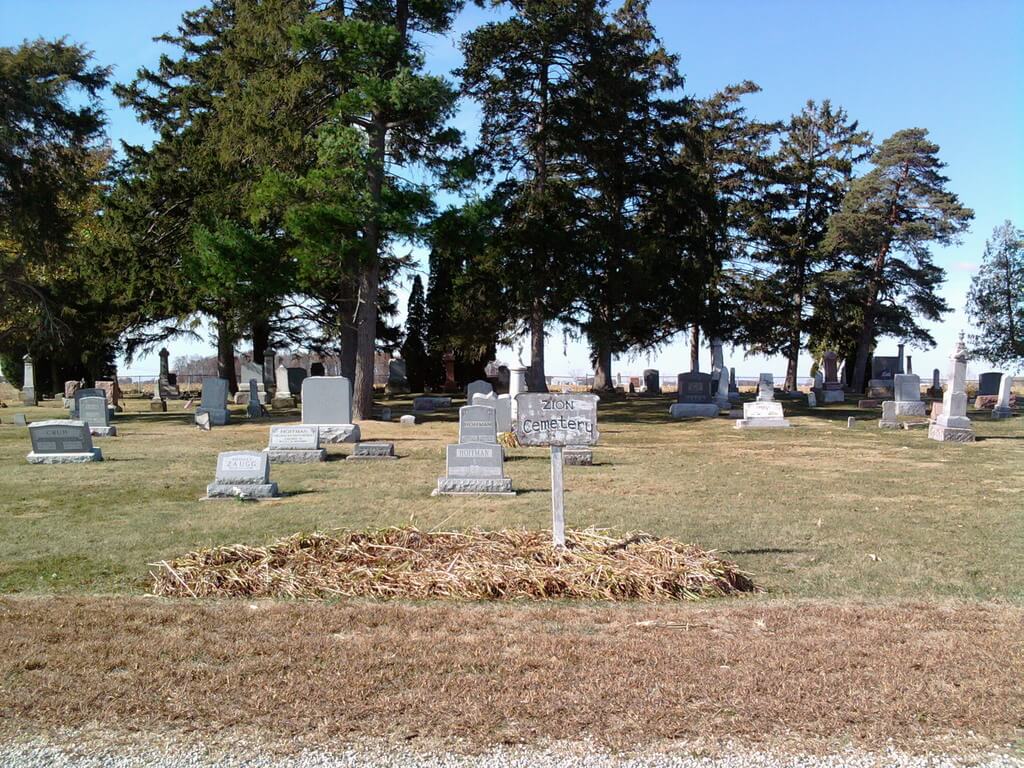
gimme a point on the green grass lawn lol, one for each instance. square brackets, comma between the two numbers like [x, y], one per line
[814, 511]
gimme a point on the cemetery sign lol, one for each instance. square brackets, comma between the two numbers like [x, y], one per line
[557, 419]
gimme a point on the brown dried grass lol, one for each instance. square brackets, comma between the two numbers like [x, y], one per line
[472, 565]
[622, 674]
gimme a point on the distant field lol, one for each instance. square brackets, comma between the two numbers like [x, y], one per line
[816, 511]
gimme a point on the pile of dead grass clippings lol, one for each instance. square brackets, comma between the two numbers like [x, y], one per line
[471, 565]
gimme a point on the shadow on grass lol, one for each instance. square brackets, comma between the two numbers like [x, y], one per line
[767, 551]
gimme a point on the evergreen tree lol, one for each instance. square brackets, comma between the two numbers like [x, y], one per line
[883, 231]
[389, 114]
[811, 173]
[995, 301]
[234, 103]
[414, 348]
[52, 161]
[468, 307]
[727, 156]
[519, 70]
[620, 133]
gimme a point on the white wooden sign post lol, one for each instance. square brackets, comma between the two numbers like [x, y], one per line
[556, 420]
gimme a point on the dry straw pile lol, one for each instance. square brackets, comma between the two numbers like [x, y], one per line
[471, 565]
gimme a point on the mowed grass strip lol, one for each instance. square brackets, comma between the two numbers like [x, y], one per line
[813, 511]
[821, 673]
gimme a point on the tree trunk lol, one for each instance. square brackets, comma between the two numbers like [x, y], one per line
[226, 355]
[347, 357]
[602, 368]
[366, 337]
[260, 340]
[537, 381]
[867, 332]
[694, 348]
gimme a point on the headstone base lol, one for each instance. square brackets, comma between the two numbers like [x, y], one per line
[65, 458]
[910, 408]
[833, 396]
[693, 410]
[110, 431]
[734, 397]
[1001, 412]
[762, 423]
[986, 401]
[427, 403]
[578, 457]
[934, 392]
[242, 491]
[218, 417]
[158, 406]
[908, 425]
[339, 433]
[950, 434]
[451, 486]
[373, 452]
[883, 424]
[881, 389]
[241, 398]
[282, 402]
[869, 403]
[298, 456]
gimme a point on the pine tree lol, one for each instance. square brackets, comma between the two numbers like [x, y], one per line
[518, 70]
[52, 162]
[414, 348]
[995, 301]
[883, 231]
[727, 156]
[235, 103]
[391, 115]
[619, 131]
[468, 304]
[811, 173]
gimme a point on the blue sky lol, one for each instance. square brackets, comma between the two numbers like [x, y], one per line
[954, 68]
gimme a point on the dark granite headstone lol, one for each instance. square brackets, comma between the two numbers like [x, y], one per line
[694, 387]
[988, 383]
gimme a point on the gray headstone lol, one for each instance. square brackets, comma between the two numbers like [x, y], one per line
[478, 387]
[407, 420]
[244, 474]
[326, 400]
[475, 460]
[988, 383]
[86, 392]
[255, 408]
[502, 405]
[295, 444]
[94, 412]
[888, 415]
[765, 387]
[907, 387]
[693, 387]
[215, 394]
[372, 452]
[215, 400]
[20, 420]
[251, 370]
[762, 414]
[61, 442]
[477, 424]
